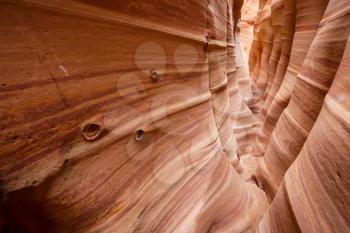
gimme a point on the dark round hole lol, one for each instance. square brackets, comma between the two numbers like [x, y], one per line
[66, 161]
[339, 174]
[154, 75]
[91, 131]
[140, 134]
[92, 128]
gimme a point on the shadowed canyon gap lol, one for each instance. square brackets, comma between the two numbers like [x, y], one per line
[185, 116]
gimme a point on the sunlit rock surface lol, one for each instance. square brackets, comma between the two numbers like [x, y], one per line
[175, 116]
[249, 13]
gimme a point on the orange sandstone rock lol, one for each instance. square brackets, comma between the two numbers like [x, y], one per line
[315, 193]
[309, 15]
[312, 84]
[114, 118]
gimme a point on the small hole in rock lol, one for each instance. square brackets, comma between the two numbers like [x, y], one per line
[338, 174]
[139, 135]
[154, 75]
[66, 161]
[91, 131]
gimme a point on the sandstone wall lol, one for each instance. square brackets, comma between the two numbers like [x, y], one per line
[124, 116]
[304, 136]
[146, 116]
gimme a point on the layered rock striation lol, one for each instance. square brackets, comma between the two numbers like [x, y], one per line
[124, 116]
[147, 116]
[304, 139]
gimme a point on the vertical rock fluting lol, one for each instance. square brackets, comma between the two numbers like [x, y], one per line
[221, 50]
[248, 16]
[265, 32]
[309, 15]
[115, 117]
[243, 120]
[287, 34]
[276, 21]
[146, 116]
[315, 193]
[312, 84]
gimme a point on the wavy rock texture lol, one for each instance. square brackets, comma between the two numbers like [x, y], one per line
[304, 146]
[115, 117]
[220, 60]
[243, 120]
[249, 13]
[265, 38]
[276, 22]
[309, 15]
[315, 193]
[311, 85]
[146, 116]
[287, 34]
[305, 165]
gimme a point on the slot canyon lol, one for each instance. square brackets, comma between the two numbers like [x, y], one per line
[175, 116]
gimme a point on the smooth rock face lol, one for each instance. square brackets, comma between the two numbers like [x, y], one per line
[315, 193]
[305, 135]
[308, 17]
[276, 22]
[249, 13]
[146, 116]
[302, 92]
[124, 116]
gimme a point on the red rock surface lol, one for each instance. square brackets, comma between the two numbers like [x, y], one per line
[315, 193]
[309, 14]
[116, 117]
[248, 17]
[304, 91]
[147, 116]
[304, 138]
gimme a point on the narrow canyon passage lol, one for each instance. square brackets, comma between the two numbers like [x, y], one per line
[186, 116]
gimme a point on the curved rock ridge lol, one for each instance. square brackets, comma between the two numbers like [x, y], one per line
[188, 116]
[125, 116]
[276, 22]
[304, 137]
[319, 40]
[248, 16]
[308, 17]
[315, 193]
[287, 34]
